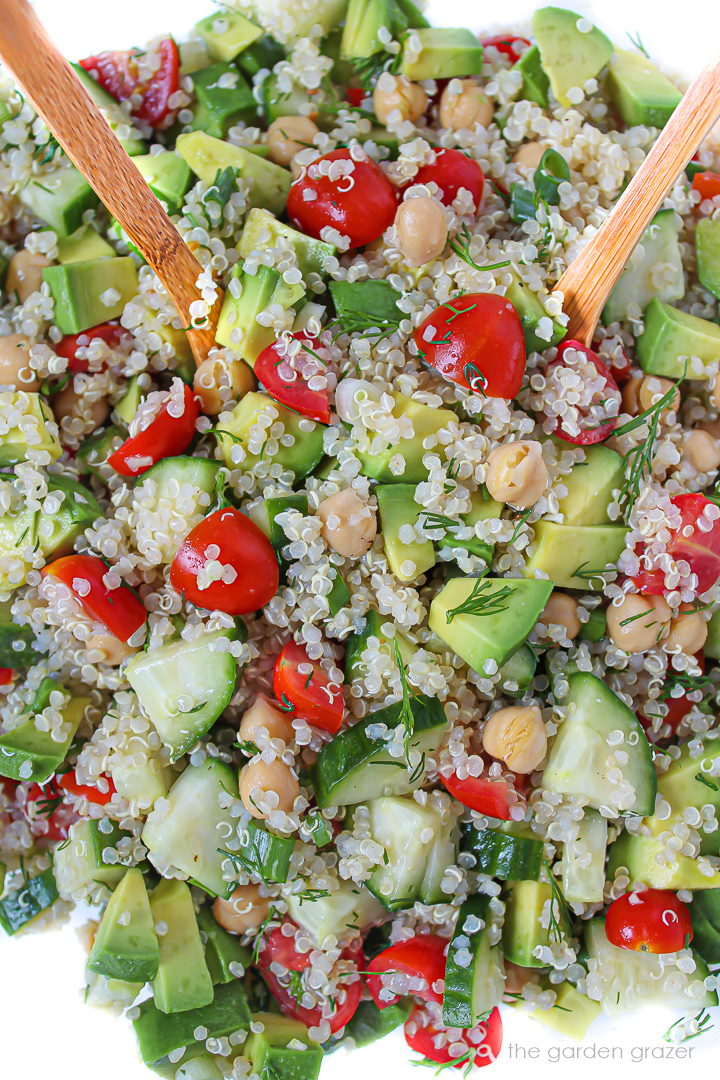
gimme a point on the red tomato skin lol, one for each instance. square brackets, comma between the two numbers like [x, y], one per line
[707, 184]
[603, 431]
[491, 797]
[362, 212]
[655, 922]
[48, 826]
[422, 956]
[451, 171]
[678, 708]
[296, 394]
[68, 782]
[118, 74]
[482, 348]
[165, 436]
[118, 609]
[112, 333]
[319, 703]
[6, 676]
[507, 44]
[243, 546]
[278, 948]
[700, 549]
[420, 1034]
[355, 95]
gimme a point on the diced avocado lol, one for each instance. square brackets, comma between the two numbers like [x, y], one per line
[167, 175]
[671, 337]
[17, 643]
[238, 327]
[58, 532]
[266, 52]
[576, 556]
[224, 99]
[145, 783]
[371, 1023]
[397, 508]
[59, 199]
[572, 1013]
[569, 56]
[640, 281]
[347, 906]
[160, 1034]
[33, 896]
[27, 753]
[426, 421]
[111, 110]
[443, 53]
[79, 860]
[83, 245]
[223, 951]
[595, 627]
[523, 931]
[269, 183]
[639, 91]
[707, 253]
[90, 292]
[482, 508]
[182, 981]
[226, 33]
[535, 84]
[36, 431]
[126, 945]
[129, 403]
[283, 1050]
[531, 312]
[236, 429]
[278, 102]
[102, 993]
[491, 634]
[590, 485]
[18, 541]
[644, 860]
[262, 230]
[680, 785]
[374, 302]
[363, 22]
[96, 449]
[583, 860]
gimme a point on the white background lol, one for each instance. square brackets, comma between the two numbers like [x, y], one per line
[45, 1030]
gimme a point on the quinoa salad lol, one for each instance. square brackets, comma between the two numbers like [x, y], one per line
[363, 676]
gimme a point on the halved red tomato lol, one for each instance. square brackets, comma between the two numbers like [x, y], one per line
[303, 686]
[68, 782]
[581, 360]
[451, 171]
[119, 609]
[493, 797]
[286, 377]
[483, 1042]
[112, 333]
[699, 547]
[120, 73]
[167, 433]
[507, 44]
[421, 957]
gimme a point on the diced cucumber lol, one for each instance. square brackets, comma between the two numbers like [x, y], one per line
[583, 759]
[192, 823]
[583, 860]
[525, 912]
[472, 989]
[408, 832]
[348, 907]
[338, 596]
[79, 859]
[518, 671]
[510, 852]
[443, 853]
[354, 767]
[705, 911]
[707, 252]
[160, 1034]
[658, 246]
[223, 951]
[277, 505]
[265, 854]
[26, 753]
[25, 903]
[571, 1015]
[198, 472]
[357, 643]
[184, 687]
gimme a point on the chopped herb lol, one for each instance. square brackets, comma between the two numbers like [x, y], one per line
[418, 770]
[260, 935]
[637, 41]
[248, 747]
[285, 704]
[461, 247]
[406, 717]
[223, 186]
[559, 909]
[481, 602]
[702, 1019]
[518, 527]
[702, 779]
[466, 1059]
[309, 896]
[583, 572]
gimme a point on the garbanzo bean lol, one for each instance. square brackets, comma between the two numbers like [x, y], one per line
[516, 473]
[114, 651]
[349, 524]
[421, 229]
[394, 94]
[245, 910]
[68, 404]
[261, 715]
[561, 610]
[463, 104]
[516, 735]
[15, 367]
[688, 633]
[529, 154]
[216, 373]
[259, 777]
[702, 450]
[638, 623]
[24, 275]
[641, 392]
[288, 135]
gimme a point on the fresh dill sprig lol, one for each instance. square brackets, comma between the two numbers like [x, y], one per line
[702, 1020]
[467, 1059]
[309, 896]
[638, 460]
[240, 862]
[369, 68]
[702, 779]
[406, 717]
[260, 936]
[685, 682]
[518, 527]
[637, 41]
[222, 187]
[296, 987]
[248, 747]
[589, 575]
[461, 246]
[482, 602]
[559, 908]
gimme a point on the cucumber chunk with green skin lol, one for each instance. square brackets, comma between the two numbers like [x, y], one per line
[408, 832]
[159, 1034]
[639, 91]
[582, 880]
[198, 472]
[60, 199]
[624, 980]
[23, 904]
[58, 532]
[444, 53]
[262, 230]
[268, 182]
[510, 852]
[278, 504]
[227, 33]
[535, 83]
[182, 981]
[357, 643]
[78, 290]
[17, 649]
[354, 767]
[569, 56]
[202, 671]
[238, 315]
[223, 951]
[531, 312]
[265, 854]
[590, 485]
[671, 337]
[80, 860]
[523, 930]
[27, 753]
[707, 253]
[346, 907]
[518, 671]
[113, 112]
[266, 52]
[339, 595]
[371, 303]
[443, 853]
[184, 831]
[235, 428]
[224, 99]
[319, 828]
[472, 990]
[583, 761]
[371, 1023]
[580, 557]
[283, 1049]
[595, 627]
[397, 508]
[126, 945]
[638, 283]
[96, 449]
[705, 912]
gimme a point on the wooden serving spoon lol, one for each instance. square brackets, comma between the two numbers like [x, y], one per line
[59, 98]
[589, 279]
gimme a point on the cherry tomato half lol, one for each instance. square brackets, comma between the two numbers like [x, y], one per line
[119, 609]
[491, 797]
[48, 816]
[677, 709]
[451, 171]
[112, 333]
[357, 198]
[652, 920]
[6, 676]
[707, 184]
[119, 73]
[226, 564]
[304, 684]
[591, 431]
[701, 550]
[286, 378]
[422, 957]
[507, 44]
[279, 948]
[167, 434]
[476, 341]
[484, 1041]
[68, 782]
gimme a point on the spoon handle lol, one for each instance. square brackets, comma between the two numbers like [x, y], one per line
[85, 136]
[590, 278]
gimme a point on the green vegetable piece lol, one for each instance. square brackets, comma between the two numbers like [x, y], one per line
[705, 911]
[707, 251]
[266, 52]
[301, 458]
[412, 836]
[638, 283]
[551, 172]
[38, 430]
[319, 828]
[364, 305]
[59, 199]
[83, 245]
[639, 91]
[20, 906]
[338, 596]
[472, 990]
[57, 533]
[444, 53]
[223, 951]
[397, 509]
[672, 336]
[95, 450]
[26, 753]
[238, 327]
[126, 945]
[535, 84]
[572, 1013]
[590, 486]
[159, 1034]
[595, 627]
[523, 930]
[426, 421]
[182, 981]
[531, 311]
[276, 1051]
[80, 859]
[518, 671]
[584, 881]
[263, 229]
[115, 114]
[265, 854]
[268, 182]
[569, 56]
[277, 504]
[371, 1023]
[90, 292]
[510, 852]
[224, 98]
[17, 649]
[227, 33]
[577, 557]
[167, 175]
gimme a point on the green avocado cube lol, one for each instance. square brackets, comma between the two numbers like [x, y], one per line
[224, 99]
[572, 1013]
[426, 421]
[253, 411]
[269, 183]
[27, 753]
[58, 532]
[283, 1049]
[266, 52]
[223, 951]
[90, 292]
[238, 327]
[481, 509]
[535, 83]
[263, 230]
[707, 253]
[577, 556]
[639, 91]
[227, 33]
[397, 508]
[182, 981]
[569, 53]
[34, 432]
[83, 245]
[590, 485]
[440, 53]
[167, 175]
[17, 643]
[18, 542]
[363, 22]
[160, 1034]
[672, 337]
[20, 906]
[126, 945]
[59, 199]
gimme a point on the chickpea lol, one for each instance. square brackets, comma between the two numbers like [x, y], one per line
[15, 367]
[702, 450]
[516, 473]
[641, 392]
[24, 275]
[421, 228]
[516, 735]
[688, 632]
[638, 622]
[529, 154]
[114, 651]
[349, 524]
[261, 716]
[288, 135]
[245, 910]
[517, 977]
[216, 374]
[395, 97]
[561, 610]
[68, 404]
[463, 104]
[711, 426]
[259, 777]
